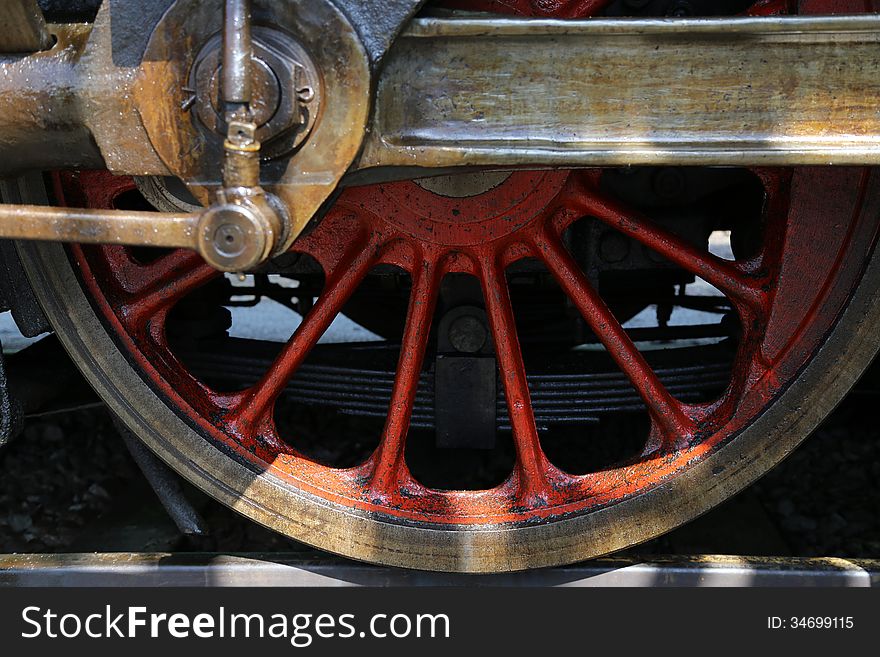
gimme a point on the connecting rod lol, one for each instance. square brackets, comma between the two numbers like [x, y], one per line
[452, 92]
[242, 208]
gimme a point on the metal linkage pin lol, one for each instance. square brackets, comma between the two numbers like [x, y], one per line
[243, 227]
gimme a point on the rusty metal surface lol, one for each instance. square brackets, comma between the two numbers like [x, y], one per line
[302, 182]
[211, 570]
[71, 107]
[41, 122]
[503, 528]
[788, 90]
[268, 498]
[22, 28]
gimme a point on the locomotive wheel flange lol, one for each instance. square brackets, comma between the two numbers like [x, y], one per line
[314, 82]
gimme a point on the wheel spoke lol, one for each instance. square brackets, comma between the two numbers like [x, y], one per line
[533, 465]
[390, 455]
[723, 275]
[256, 403]
[666, 412]
[165, 282]
[582, 8]
[768, 8]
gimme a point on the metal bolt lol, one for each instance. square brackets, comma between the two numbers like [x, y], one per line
[613, 247]
[286, 91]
[229, 240]
[681, 9]
[187, 104]
[467, 334]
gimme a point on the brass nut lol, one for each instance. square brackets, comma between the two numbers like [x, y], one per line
[287, 92]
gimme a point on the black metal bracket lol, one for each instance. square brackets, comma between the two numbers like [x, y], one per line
[465, 381]
[167, 485]
[15, 289]
[10, 409]
[379, 21]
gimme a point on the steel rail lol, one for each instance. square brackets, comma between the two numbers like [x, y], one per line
[316, 569]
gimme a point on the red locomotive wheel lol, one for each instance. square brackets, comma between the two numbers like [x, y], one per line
[798, 316]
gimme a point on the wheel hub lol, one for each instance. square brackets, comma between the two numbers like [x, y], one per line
[458, 212]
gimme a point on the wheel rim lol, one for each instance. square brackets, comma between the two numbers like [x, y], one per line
[788, 297]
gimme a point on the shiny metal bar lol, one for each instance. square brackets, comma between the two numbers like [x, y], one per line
[237, 52]
[37, 222]
[732, 91]
[22, 27]
[516, 92]
[229, 236]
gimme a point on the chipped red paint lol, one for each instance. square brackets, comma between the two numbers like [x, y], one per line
[772, 8]
[790, 286]
[837, 6]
